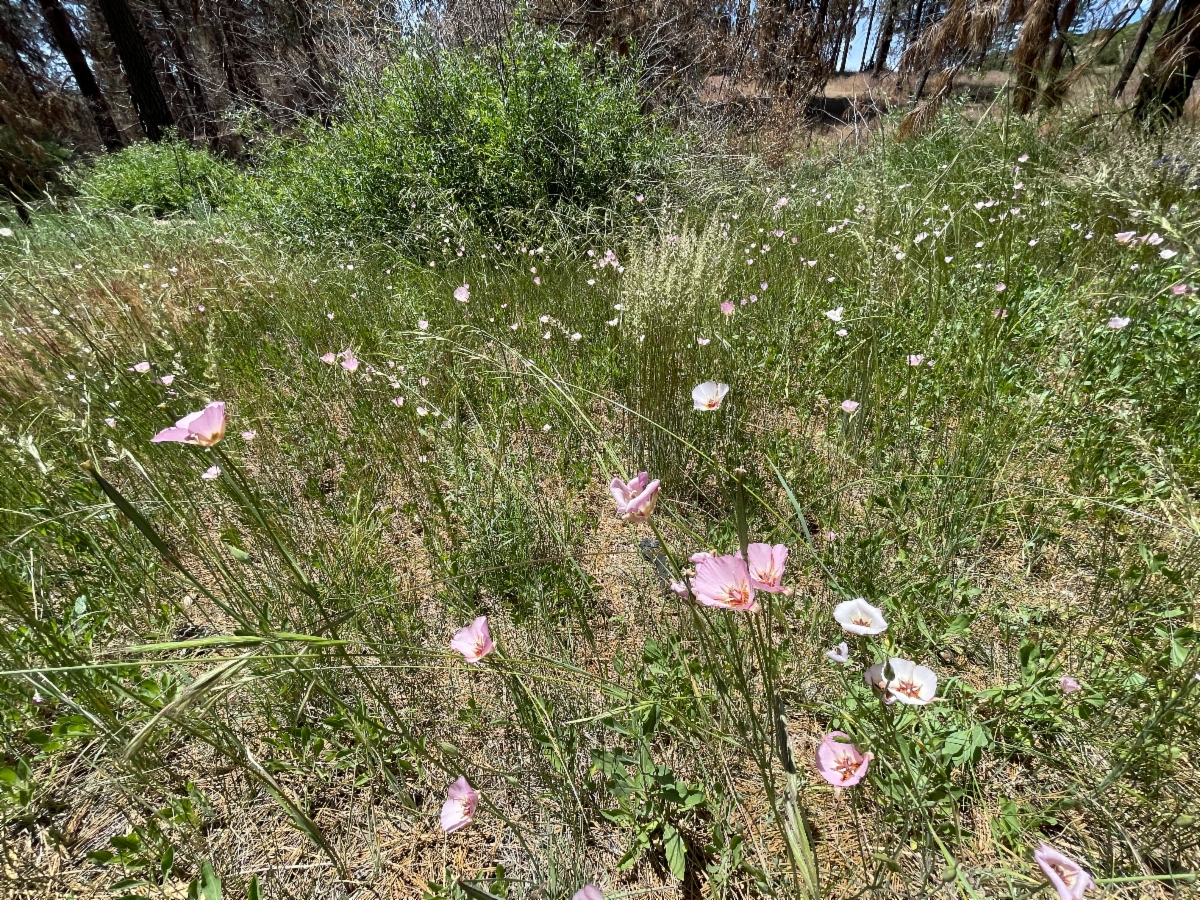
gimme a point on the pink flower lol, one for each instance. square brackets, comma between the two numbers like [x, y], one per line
[1124, 237]
[329, 358]
[635, 500]
[350, 364]
[640, 197]
[1023, 158]
[1116, 323]
[203, 428]
[537, 279]
[727, 307]
[680, 588]
[915, 359]
[999, 313]
[249, 435]
[397, 401]
[911, 684]
[766, 562]
[211, 473]
[1068, 684]
[141, 368]
[473, 642]
[462, 293]
[700, 556]
[167, 380]
[781, 203]
[1168, 254]
[841, 332]
[724, 581]
[839, 762]
[1179, 289]
[1001, 287]
[709, 395]
[1064, 874]
[849, 406]
[459, 808]
[703, 342]
[588, 891]
[422, 324]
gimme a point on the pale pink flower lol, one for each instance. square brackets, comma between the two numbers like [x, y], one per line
[1153, 239]
[841, 332]
[329, 358]
[1023, 158]
[766, 563]
[422, 325]
[911, 684]
[839, 654]
[857, 616]
[849, 406]
[1001, 287]
[1067, 684]
[473, 642]
[1179, 289]
[781, 203]
[537, 279]
[834, 315]
[1124, 237]
[459, 808]
[723, 581]
[397, 401]
[1169, 254]
[588, 891]
[636, 499]
[1116, 323]
[110, 422]
[141, 368]
[211, 473]
[462, 293]
[249, 435]
[203, 428]
[167, 380]
[680, 588]
[709, 395]
[1065, 875]
[350, 364]
[915, 359]
[727, 307]
[700, 556]
[999, 313]
[703, 342]
[839, 762]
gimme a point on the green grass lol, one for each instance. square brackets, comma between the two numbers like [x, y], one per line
[254, 671]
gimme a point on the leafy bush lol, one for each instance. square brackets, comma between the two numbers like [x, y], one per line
[166, 177]
[534, 124]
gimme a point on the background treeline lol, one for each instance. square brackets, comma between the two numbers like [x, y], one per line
[101, 74]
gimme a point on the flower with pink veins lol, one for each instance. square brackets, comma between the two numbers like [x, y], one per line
[709, 395]
[474, 642]
[635, 499]
[588, 891]
[203, 428]
[857, 616]
[839, 762]
[459, 808]
[1065, 875]
[724, 582]
[766, 562]
[911, 684]
[350, 364]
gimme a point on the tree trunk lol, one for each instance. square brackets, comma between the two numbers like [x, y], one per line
[64, 37]
[1139, 44]
[887, 29]
[862, 65]
[1054, 91]
[848, 35]
[186, 64]
[1173, 67]
[1031, 48]
[144, 89]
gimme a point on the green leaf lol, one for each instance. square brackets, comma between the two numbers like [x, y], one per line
[237, 552]
[210, 884]
[676, 849]
[254, 892]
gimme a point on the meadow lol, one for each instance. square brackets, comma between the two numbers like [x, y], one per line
[963, 391]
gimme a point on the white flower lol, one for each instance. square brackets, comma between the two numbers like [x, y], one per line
[6, 232]
[911, 684]
[709, 395]
[834, 315]
[1116, 323]
[1169, 254]
[839, 654]
[211, 473]
[859, 617]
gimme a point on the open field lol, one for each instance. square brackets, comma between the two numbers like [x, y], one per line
[953, 392]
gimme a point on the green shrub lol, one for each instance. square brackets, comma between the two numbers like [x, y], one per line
[533, 125]
[166, 177]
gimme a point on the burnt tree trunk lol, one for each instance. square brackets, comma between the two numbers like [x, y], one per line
[1173, 67]
[1139, 44]
[1030, 50]
[63, 34]
[144, 88]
